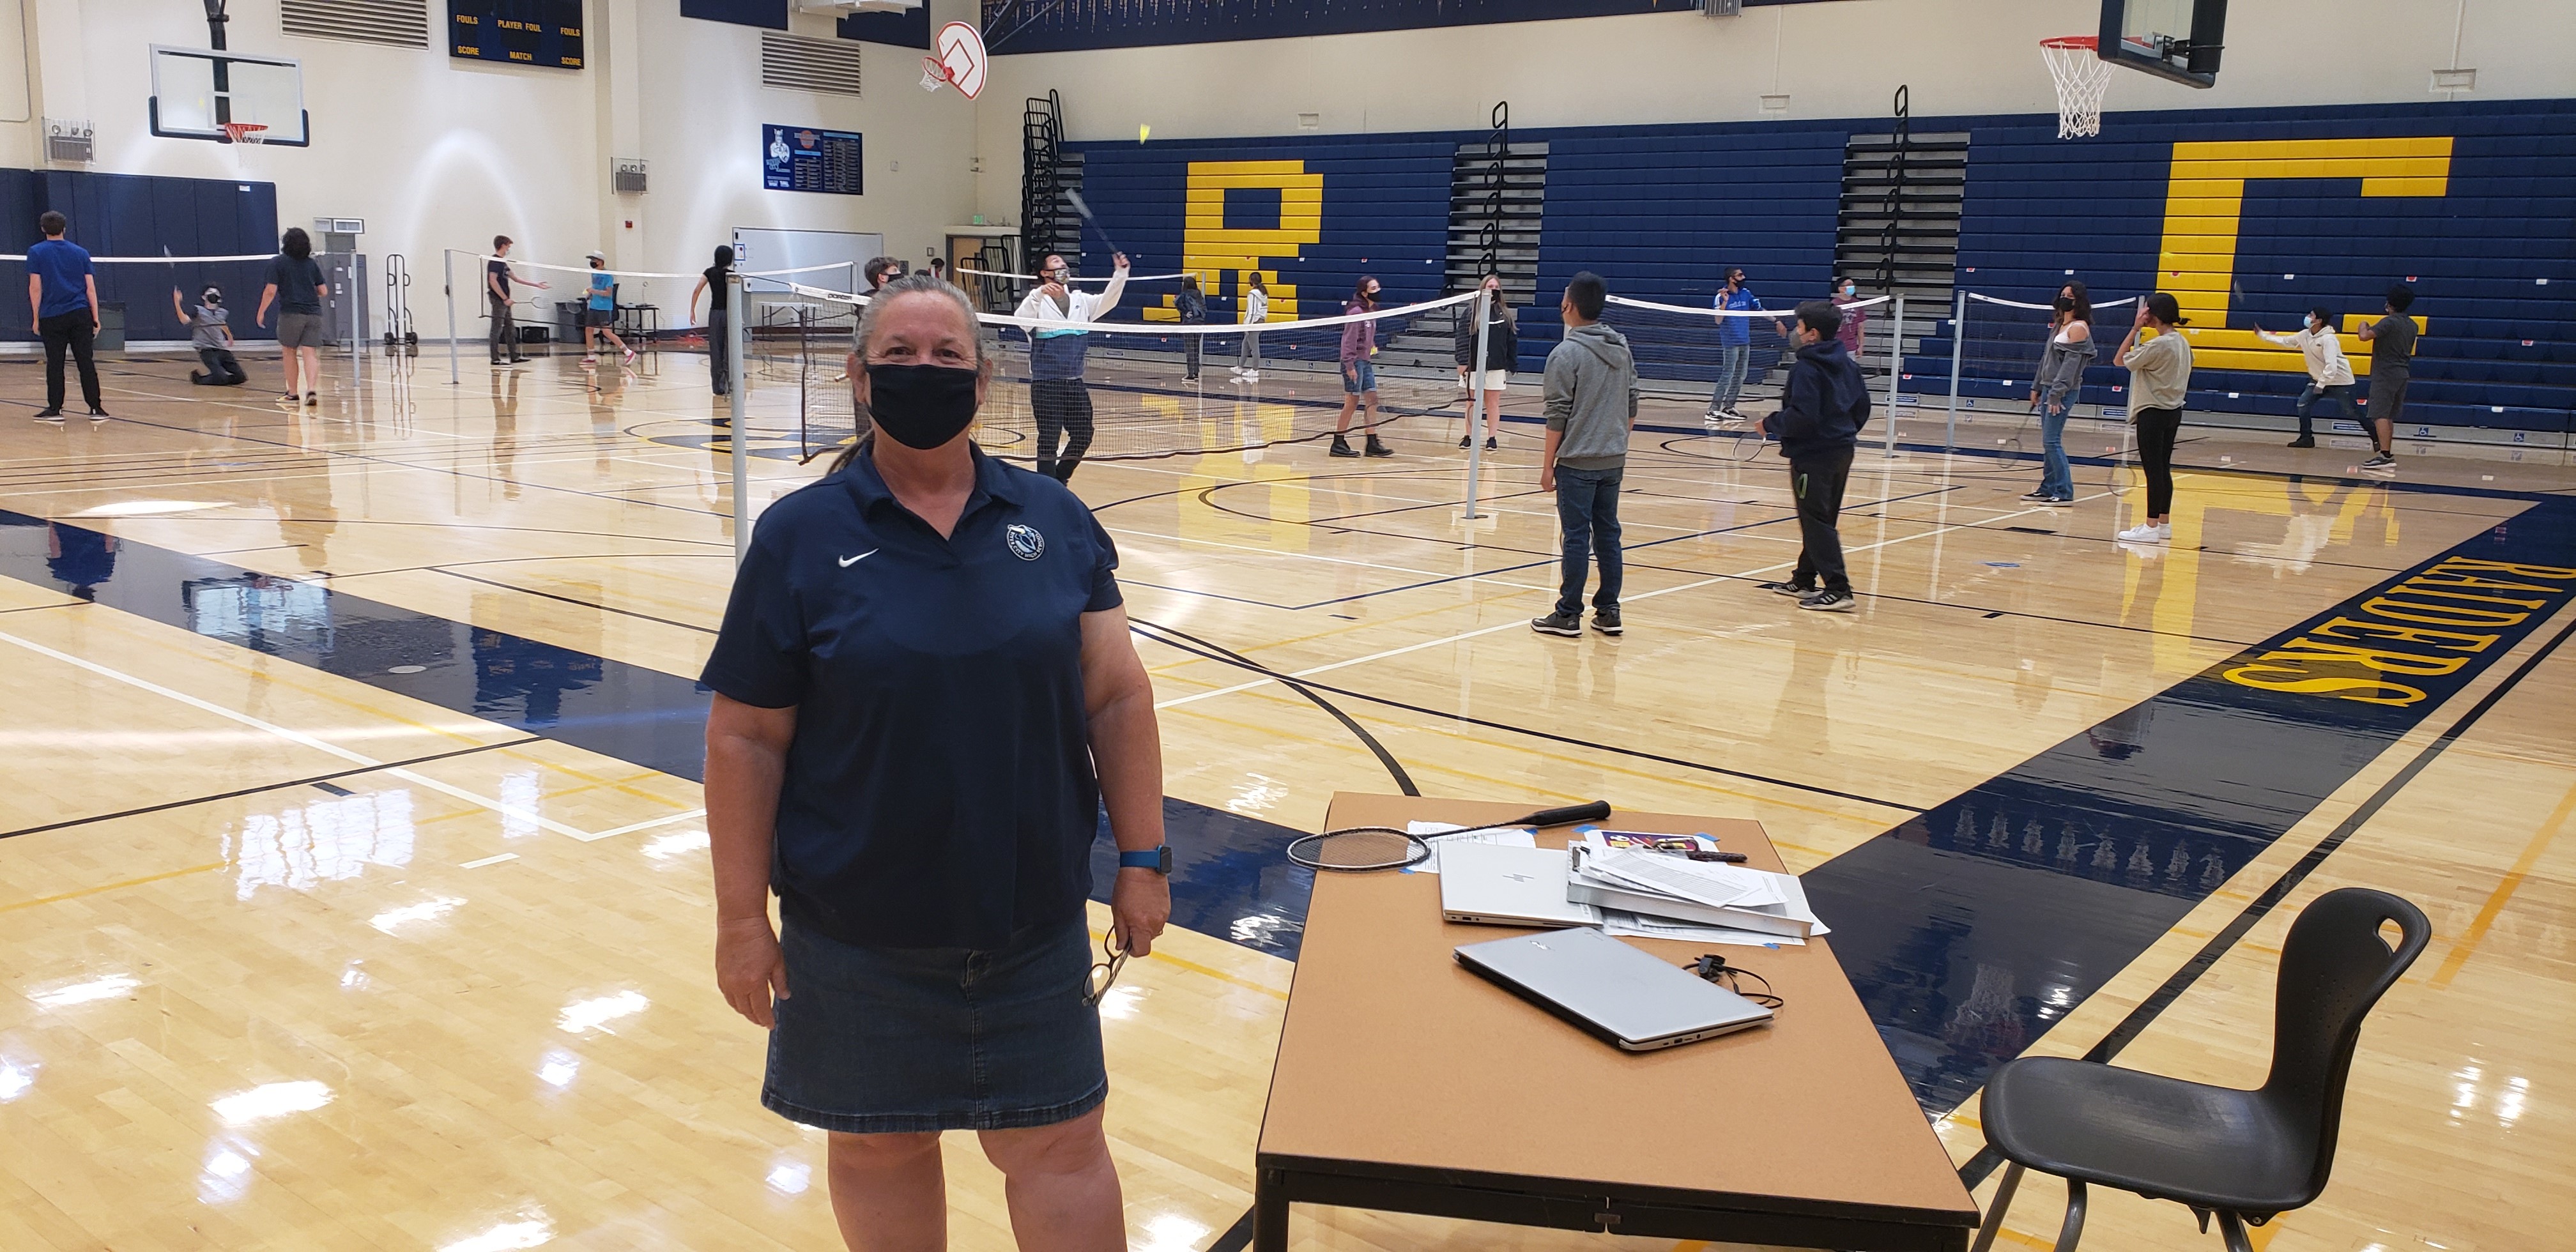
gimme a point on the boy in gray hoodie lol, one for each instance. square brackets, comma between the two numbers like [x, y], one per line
[1591, 402]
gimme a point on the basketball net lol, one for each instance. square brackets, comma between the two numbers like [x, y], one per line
[933, 74]
[244, 132]
[2082, 77]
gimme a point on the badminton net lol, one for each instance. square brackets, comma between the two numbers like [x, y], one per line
[1681, 352]
[142, 284]
[1247, 395]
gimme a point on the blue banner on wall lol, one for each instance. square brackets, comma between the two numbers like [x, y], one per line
[807, 158]
[519, 32]
[904, 30]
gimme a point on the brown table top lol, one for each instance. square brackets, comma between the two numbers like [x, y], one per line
[1394, 1059]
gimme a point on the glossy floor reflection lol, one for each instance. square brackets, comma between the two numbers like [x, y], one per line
[357, 894]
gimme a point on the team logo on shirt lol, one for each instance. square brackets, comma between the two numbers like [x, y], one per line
[1024, 542]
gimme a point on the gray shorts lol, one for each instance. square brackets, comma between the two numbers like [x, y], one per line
[300, 330]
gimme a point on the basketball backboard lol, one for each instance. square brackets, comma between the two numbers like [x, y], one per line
[195, 91]
[2176, 39]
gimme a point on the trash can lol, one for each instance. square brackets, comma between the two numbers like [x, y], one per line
[111, 326]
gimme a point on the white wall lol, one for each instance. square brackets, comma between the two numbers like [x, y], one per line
[437, 152]
[1832, 60]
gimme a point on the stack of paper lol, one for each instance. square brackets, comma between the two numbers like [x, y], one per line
[1437, 833]
[1663, 894]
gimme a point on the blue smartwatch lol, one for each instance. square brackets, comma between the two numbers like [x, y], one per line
[1158, 860]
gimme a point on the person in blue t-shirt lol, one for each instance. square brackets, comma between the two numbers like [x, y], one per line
[62, 293]
[599, 314]
[1734, 346]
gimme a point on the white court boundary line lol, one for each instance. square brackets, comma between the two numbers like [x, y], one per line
[320, 745]
[1516, 624]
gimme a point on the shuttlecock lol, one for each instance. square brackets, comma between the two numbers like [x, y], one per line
[1142, 132]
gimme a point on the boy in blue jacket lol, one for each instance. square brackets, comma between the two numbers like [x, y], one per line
[1822, 410]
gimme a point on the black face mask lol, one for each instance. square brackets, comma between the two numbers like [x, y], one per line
[921, 406]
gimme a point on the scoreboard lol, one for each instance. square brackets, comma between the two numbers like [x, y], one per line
[520, 32]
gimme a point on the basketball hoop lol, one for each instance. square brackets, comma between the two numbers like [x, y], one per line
[932, 74]
[244, 132]
[2082, 76]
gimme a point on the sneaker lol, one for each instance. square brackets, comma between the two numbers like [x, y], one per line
[1830, 602]
[1565, 624]
[1378, 449]
[1466, 441]
[521, 360]
[2144, 532]
[98, 415]
[1607, 621]
[49, 415]
[2059, 502]
[2038, 497]
[2380, 461]
[2303, 443]
[1785, 589]
[1490, 445]
[590, 360]
[290, 399]
[313, 399]
[1252, 376]
[1342, 447]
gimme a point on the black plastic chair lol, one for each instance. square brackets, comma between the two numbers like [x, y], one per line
[2243, 1156]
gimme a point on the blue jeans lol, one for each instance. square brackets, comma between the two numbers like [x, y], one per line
[1731, 358]
[2056, 478]
[1587, 511]
[2340, 393]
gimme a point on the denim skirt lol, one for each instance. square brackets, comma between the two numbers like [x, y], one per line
[884, 1040]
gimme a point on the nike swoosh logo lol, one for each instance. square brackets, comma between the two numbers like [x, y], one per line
[848, 561]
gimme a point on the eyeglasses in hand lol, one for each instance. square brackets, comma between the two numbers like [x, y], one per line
[1105, 974]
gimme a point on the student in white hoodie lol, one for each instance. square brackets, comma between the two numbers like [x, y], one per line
[1256, 310]
[2329, 374]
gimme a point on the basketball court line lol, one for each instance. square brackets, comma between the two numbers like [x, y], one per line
[305, 781]
[1463, 636]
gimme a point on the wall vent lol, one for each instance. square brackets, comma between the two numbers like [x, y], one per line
[400, 23]
[626, 176]
[68, 142]
[794, 63]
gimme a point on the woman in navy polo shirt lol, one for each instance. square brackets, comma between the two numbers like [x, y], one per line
[925, 692]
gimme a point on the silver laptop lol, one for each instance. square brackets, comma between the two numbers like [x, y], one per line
[1494, 885]
[1616, 992]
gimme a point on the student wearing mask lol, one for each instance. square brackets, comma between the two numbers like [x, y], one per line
[2053, 389]
[1823, 406]
[1058, 396]
[1502, 347]
[2329, 371]
[209, 334]
[912, 753]
[1359, 372]
[1855, 314]
[2392, 365]
[2159, 380]
[62, 298]
[1734, 346]
[1256, 310]
[599, 316]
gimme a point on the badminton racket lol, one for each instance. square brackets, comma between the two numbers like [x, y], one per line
[1083, 207]
[1355, 848]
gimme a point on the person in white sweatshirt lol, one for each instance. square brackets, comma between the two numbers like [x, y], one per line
[2329, 374]
[1256, 310]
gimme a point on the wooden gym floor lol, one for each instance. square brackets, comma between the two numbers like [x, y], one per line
[352, 885]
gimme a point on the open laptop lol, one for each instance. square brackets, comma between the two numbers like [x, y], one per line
[1493, 884]
[1613, 991]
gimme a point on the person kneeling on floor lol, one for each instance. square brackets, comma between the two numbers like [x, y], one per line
[1822, 410]
[210, 332]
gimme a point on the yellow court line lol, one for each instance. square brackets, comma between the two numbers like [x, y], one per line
[1211, 971]
[2531, 852]
[107, 887]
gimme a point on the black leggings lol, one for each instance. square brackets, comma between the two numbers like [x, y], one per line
[1063, 409]
[2156, 431]
[223, 369]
